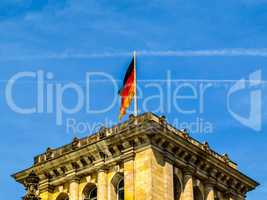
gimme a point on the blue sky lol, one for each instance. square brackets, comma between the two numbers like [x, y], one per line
[191, 40]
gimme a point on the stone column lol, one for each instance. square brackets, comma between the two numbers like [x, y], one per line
[210, 194]
[188, 193]
[74, 189]
[168, 181]
[129, 179]
[102, 192]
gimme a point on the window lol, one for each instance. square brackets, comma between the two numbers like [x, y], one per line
[120, 190]
[177, 188]
[197, 194]
[63, 196]
[91, 194]
[116, 191]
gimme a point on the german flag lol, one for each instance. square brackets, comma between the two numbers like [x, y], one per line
[127, 91]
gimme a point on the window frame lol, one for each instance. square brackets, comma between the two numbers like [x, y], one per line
[120, 188]
[87, 194]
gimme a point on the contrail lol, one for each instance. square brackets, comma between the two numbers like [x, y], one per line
[214, 52]
[61, 56]
[168, 53]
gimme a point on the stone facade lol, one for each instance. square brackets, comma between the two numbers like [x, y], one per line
[154, 160]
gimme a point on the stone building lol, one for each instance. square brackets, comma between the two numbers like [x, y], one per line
[144, 158]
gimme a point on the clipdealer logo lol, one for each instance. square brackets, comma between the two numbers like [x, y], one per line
[170, 97]
[252, 86]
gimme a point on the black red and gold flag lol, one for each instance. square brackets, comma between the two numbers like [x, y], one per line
[128, 90]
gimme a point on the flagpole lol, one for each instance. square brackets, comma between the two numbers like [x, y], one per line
[135, 86]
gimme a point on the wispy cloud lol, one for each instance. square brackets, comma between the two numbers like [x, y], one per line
[169, 53]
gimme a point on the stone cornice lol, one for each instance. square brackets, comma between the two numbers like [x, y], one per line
[120, 143]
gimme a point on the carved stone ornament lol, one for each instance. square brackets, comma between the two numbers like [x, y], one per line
[75, 143]
[162, 119]
[49, 153]
[131, 117]
[226, 158]
[102, 133]
[185, 133]
[32, 183]
[206, 146]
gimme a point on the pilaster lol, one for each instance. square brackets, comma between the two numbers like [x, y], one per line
[168, 181]
[143, 175]
[102, 184]
[129, 179]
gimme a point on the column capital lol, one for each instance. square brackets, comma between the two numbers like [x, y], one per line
[130, 156]
[167, 158]
[188, 170]
[211, 182]
[103, 169]
[75, 178]
[45, 186]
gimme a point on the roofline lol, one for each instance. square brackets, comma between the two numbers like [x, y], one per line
[15, 175]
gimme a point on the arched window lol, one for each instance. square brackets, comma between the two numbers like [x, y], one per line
[63, 196]
[177, 188]
[90, 193]
[197, 194]
[120, 189]
[116, 191]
